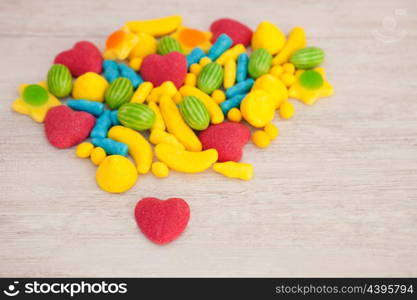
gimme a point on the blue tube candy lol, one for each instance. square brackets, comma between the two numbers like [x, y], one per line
[111, 70]
[111, 146]
[242, 67]
[103, 124]
[240, 88]
[231, 103]
[194, 57]
[113, 117]
[223, 43]
[92, 107]
[129, 73]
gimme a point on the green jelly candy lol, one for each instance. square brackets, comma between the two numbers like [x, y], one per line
[307, 58]
[311, 80]
[119, 92]
[210, 78]
[137, 116]
[260, 62]
[59, 81]
[168, 44]
[194, 113]
[35, 95]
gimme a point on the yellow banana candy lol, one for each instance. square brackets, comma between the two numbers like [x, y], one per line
[296, 40]
[159, 136]
[156, 27]
[159, 121]
[185, 161]
[234, 170]
[139, 148]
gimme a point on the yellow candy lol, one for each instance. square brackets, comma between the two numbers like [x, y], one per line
[190, 38]
[190, 79]
[156, 27]
[35, 100]
[229, 73]
[271, 130]
[234, 115]
[136, 63]
[160, 169]
[288, 79]
[159, 121]
[84, 150]
[97, 155]
[177, 126]
[142, 92]
[288, 68]
[159, 136]
[216, 114]
[231, 54]
[195, 69]
[276, 71]
[167, 88]
[261, 139]
[258, 108]
[177, 98]
[185, 161]
[205, 61]
[272, 85]
[269, 37]
[120, 43]
[218, 96]
[233, 169]
[90, 86]
[286, 110]
[116, 174]
[296, 40]
[139, 147]
[145, 46]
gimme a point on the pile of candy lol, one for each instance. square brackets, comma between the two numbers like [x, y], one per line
[181, 84]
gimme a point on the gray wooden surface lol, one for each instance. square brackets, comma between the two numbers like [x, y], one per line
[335, 195]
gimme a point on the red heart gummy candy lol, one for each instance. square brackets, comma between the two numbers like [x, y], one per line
[227, 138]
[82, 58]
[238, 32]
[158, 69]
[65, 127]
[162, 221]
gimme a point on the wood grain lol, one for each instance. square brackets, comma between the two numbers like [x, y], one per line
[335, 195]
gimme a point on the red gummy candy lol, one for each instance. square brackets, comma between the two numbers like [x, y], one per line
[227, 138]
[162, 221]
[158, 69]
[82, 58]
[238, 32]
[65, 127]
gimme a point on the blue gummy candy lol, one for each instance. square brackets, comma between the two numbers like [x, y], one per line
[129, 73]
[111, 70]
[111, 146]
[103, 124]
[113, 117]
[242, 67]
[223, 43]
[194, 57]
[92, 107]
[240, 88]
[231, 103]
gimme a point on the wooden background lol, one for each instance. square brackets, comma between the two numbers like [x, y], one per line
[335, 195]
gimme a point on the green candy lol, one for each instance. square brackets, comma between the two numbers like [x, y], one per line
[59, 80]
[168, 44]
[311, 80]
[119, 92]
[194, 113]
[307, 58]
[137, 116]
[210, 78]
[260, 62]
[35, 95]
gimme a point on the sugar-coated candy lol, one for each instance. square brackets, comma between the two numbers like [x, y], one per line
[222, 43]
[229, 73]
[90, 86]
[238, 32]
[210, 78]
[119, 92]
[240, 88]
[129, 73]
[242, 67]
[258, 108]
[59, 81]
[160, 169]
[97, 155]
[103, 123]
[137, 116]
[156, 27]
[111, 146]
[84, 150]
[231, 103]
[233, 169]
[92, 107]
[259, 63]
[269, 37]
[111, 70]
[113, 117]
[190, 38]
[194, 112]
[194, 56]
[116, 174]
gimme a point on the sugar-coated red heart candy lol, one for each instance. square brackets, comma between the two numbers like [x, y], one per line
[82, 58]
[227, 138]
[162, 221]
[160, 68]
[65, 127]
[238, 32]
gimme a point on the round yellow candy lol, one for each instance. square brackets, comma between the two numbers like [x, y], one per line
[288, 79]
[286, 110]
[160, 169]
[218, 96]
[261, 139]
[272, 85]
[271, 130]
[258, 108]
[84, 150]
[276, 71]
[116, 174]
[288, 68]
[90, 86]
[195, 69]
[234, 115]
[97, 155]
